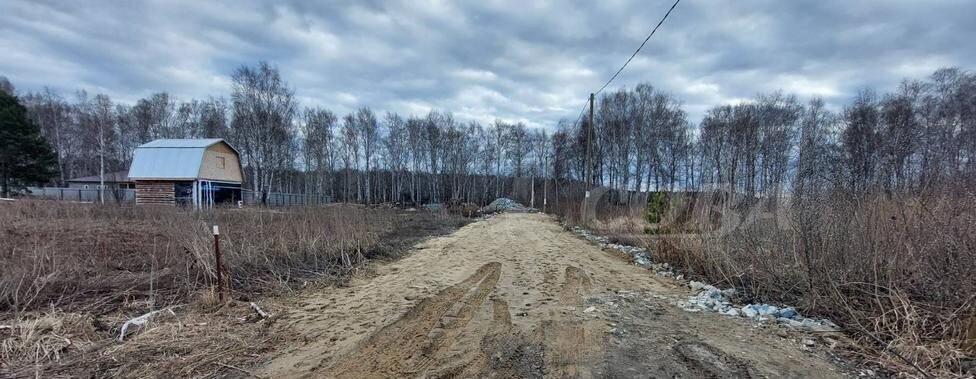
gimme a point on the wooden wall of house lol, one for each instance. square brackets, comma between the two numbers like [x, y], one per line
[221, 163]
[155, 192]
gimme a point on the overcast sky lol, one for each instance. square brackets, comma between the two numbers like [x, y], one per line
[533, 61]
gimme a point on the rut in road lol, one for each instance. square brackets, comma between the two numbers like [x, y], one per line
[507, 298]
[409, 345]
[567, 340]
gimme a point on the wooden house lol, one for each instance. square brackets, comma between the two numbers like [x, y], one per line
[198, 172]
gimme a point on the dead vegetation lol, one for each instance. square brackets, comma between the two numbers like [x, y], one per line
[894, 270]
[194, 341]
[74, 273]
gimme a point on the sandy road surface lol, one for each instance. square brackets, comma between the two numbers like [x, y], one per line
[511, 297]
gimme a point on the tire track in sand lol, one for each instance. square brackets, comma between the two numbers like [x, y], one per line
[523, 317]
[409, 345]
[567, 340]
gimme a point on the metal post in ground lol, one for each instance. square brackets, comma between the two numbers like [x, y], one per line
[220, 266]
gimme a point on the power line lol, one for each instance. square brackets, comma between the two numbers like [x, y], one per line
[639, 47]
[659, 23]
[589, 131]
[580, 117]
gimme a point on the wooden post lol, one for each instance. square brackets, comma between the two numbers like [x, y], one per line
[545, 181]
[588, 181]
[220, 266]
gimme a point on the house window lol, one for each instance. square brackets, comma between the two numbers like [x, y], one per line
[220, 162]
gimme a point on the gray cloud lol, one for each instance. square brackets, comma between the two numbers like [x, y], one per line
[533, 61]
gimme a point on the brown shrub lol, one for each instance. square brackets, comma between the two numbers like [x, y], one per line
[84, 257]
[73, 273]
[895, 270]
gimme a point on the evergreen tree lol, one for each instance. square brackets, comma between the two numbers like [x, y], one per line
[25, 158]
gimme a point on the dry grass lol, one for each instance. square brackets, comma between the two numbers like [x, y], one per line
[195, 342]
[46, 337]
[73, 273]
[79, 257]
[896, 271]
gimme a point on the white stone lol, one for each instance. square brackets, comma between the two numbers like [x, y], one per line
[749, 311]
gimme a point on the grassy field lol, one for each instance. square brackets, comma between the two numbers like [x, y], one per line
[73, 273]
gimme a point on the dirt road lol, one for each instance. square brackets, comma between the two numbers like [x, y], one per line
[517, 296]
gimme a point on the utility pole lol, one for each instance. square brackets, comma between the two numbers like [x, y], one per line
[587, 182]
[545, 174]
[101, 164]
[532, 190]
[589, 150]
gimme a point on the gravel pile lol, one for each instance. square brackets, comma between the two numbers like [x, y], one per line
[639, 256]
[504, 205]
[708, 298]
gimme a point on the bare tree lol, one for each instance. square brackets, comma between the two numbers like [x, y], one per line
[519, 145]
[55, 117]
[499, 134]
[813, 166]
[104, 121]
[350, 155]
[317, 130]
[415, 140]
[264, 107]
[396, 152]
[368, 134]
[861, 141]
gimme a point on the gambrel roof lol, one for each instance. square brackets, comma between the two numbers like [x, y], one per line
[171, 159]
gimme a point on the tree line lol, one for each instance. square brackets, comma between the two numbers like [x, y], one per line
[921, 135]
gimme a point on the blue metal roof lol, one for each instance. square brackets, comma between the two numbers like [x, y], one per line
[170, 158]
[166, 163]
